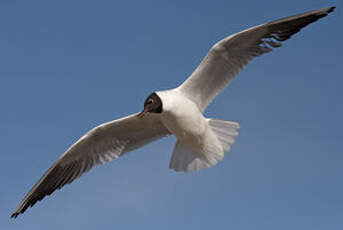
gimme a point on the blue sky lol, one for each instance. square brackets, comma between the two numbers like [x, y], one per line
[67, 66]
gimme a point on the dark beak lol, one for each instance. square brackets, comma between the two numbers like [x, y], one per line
[141, 114]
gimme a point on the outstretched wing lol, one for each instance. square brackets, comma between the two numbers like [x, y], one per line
[230, 55]
[101, 144]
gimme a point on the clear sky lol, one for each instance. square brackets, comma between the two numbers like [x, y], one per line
[67, 66]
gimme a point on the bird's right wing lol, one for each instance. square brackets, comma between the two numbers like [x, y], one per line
[229, 56]
[102, 144]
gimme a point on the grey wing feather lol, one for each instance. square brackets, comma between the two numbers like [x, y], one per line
[230, 55]
[102, 144]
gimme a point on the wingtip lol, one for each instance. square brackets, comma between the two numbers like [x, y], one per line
[331, 9]
[14, 215]
[325, 11]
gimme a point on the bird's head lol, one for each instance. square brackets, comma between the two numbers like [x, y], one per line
[152, 104]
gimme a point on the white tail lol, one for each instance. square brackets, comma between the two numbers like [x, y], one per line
[226, 131]
[184, 159]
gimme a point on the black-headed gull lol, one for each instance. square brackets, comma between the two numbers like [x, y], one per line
[201, 142]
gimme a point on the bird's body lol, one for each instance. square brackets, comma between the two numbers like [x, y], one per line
[186, 122]
[182, 117]
[201, 142]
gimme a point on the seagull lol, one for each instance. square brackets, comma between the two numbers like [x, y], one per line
[201, 142]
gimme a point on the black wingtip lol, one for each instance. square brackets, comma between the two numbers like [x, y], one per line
[14, 215]
[331, 9]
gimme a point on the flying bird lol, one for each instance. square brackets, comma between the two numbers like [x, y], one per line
[201, 142]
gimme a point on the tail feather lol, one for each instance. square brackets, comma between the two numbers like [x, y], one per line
[226, 131]
[184, 159]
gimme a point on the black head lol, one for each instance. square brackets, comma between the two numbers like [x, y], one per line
[152, 104]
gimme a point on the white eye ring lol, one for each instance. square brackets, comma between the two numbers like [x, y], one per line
[150, 101]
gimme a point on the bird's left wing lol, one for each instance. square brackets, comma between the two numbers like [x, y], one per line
[101, 144]
[230, 55]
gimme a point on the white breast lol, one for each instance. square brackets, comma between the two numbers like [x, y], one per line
[183, 118]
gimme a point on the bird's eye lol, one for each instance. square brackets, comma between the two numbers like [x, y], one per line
[150, 101]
